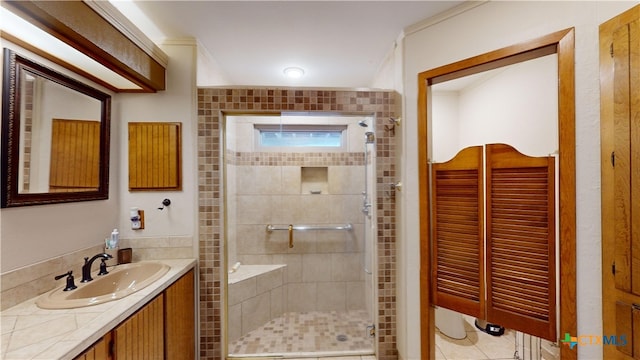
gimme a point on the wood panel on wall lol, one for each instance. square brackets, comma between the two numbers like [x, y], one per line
[155, 156]
[75, 155]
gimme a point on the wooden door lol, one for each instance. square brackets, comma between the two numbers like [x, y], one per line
[620, 166]
[142, 335]
[458, 223]
[521, 241]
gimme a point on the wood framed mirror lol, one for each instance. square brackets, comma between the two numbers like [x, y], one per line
[55, 136]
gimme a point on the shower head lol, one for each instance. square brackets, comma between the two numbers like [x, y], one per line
[363, 123]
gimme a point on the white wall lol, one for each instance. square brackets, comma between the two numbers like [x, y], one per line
[518, 106]
[32, 234]
[178, 103]
[36, 233]
[491, 26]
[515, 105]
[209, 72]
[445, 130]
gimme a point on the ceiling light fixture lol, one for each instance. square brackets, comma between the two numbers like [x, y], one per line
[293, 72]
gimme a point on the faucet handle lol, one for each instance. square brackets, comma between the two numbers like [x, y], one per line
[70, 280]
[86, 259]
[68, 273]
[103, 267]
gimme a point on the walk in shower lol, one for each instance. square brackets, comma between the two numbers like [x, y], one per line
[300, 226]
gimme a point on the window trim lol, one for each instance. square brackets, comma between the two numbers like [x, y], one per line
[259, 147]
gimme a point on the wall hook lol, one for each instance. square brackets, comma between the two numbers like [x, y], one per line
[165, 203]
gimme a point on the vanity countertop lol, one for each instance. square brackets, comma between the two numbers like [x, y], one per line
[29, 332]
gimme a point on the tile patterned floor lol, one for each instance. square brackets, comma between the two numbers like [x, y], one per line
[364, 357]
[307, 334]
[476, 346]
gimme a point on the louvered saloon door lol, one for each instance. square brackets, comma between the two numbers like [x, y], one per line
[457, 233]
[521, 241]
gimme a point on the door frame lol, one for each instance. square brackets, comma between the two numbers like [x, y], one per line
[561, 43]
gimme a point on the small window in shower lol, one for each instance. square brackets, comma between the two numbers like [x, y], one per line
[301, 137]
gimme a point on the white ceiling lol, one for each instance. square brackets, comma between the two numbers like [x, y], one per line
[339, 44]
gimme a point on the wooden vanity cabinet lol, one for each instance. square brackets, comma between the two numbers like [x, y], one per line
[162, 329]
[98, 351]
[179, 319]
[141, 336]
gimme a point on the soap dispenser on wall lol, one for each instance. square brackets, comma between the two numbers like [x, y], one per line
[137, 218]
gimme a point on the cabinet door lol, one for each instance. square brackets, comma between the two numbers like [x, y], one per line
[142, 335]
[98, 351]
[180, 319]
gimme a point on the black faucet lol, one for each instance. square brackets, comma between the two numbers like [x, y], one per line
[86, 268]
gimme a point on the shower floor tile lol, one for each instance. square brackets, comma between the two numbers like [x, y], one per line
[308, 333]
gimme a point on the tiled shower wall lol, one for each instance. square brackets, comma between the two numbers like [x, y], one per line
[212, 103]
[324, 266]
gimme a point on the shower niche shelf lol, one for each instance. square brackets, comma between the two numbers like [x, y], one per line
[314, 180]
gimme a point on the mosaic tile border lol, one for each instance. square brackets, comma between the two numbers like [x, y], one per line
[212, 102]
[295, 159]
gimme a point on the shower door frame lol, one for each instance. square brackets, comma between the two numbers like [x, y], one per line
[212, 102]
[373, 294]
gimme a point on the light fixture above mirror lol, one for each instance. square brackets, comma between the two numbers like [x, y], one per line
[92, 38]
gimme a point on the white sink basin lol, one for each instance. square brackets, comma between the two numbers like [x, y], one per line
[121, 281]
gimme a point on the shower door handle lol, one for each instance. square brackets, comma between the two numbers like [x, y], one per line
[290, 236]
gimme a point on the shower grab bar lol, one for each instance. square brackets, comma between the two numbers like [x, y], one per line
[290, 236]
[346, 227]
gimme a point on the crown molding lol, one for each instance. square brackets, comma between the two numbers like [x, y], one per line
[464, 7]
[126, 27]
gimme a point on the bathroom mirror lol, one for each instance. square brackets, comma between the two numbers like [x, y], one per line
[55, 136]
